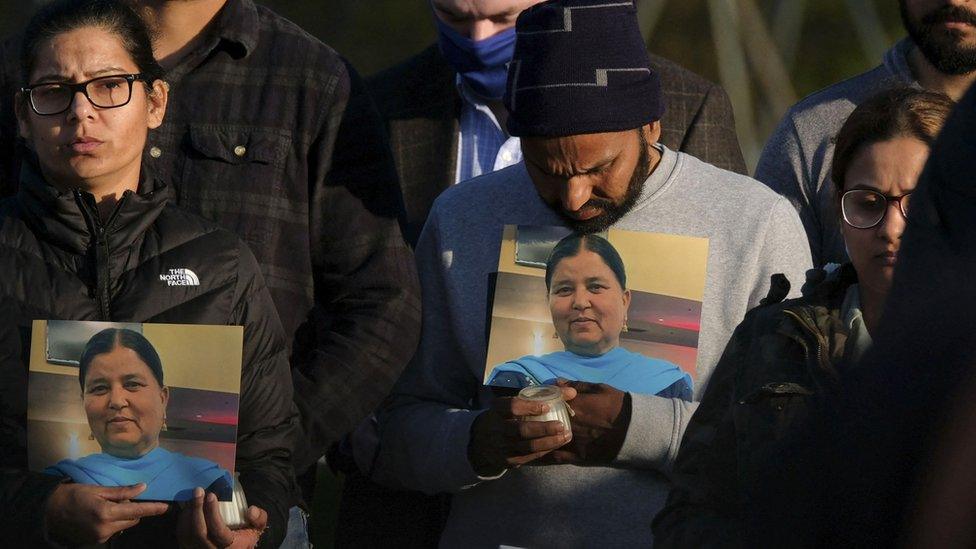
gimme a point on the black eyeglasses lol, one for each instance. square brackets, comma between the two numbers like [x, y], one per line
[863, 208]
[106, 92]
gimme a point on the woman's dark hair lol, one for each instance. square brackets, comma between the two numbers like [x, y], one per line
[115, 16]
[110, 338]
[898, 112]
[573, 244]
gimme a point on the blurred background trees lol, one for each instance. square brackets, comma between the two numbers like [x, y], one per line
[767, 53]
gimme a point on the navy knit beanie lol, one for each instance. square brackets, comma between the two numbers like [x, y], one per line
[580, 66]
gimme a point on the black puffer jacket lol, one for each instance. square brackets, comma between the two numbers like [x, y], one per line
[59, 262]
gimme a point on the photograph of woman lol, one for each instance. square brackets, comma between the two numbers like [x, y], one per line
[588, 300]
[125, 399]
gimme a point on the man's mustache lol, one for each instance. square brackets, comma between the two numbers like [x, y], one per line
[598, 203]
[950, 13]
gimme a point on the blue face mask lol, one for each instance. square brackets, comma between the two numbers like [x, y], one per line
[482, 64]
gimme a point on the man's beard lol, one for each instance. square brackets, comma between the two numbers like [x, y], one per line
[941, 47]
[613, 212]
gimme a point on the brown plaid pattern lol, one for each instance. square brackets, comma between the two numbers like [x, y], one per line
[418, 100]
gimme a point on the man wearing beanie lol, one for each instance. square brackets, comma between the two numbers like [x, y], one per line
[443, 107]
[587, 105]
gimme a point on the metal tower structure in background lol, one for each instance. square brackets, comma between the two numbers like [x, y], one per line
[755, 55]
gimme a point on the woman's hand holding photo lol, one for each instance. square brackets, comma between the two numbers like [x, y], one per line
[86, 514]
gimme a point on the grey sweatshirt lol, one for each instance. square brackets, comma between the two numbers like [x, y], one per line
[797, 159]
[425, 425]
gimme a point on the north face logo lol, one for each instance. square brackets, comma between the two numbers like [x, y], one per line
[180, 277]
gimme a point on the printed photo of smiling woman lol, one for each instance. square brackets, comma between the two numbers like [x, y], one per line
[125, 400]
[588, 299]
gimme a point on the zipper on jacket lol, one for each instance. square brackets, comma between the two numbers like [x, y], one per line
[818, 338]
[101, 259]
[103, 282]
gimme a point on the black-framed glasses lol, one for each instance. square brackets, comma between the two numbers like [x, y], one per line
[105, 92]
[864, 208]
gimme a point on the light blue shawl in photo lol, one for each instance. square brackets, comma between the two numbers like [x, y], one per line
[620, 368]
[169, 476]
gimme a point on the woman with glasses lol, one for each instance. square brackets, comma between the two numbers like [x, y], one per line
[786, 359]
[92, 235]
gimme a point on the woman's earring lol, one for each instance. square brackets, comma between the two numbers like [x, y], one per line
[625, 328]
[91, 436]
[164, 428]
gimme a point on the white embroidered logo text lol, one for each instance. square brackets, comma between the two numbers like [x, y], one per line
[180, 277]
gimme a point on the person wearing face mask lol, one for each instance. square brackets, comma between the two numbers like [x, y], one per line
[478, 51]
[446, 121]
[786, 362]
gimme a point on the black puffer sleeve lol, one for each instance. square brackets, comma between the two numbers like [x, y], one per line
[268, 417]
[23, 495]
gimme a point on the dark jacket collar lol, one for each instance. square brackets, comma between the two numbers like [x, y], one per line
[829, 288]
[235, 29]
[238, 24]
[69, 220]
[816, 317]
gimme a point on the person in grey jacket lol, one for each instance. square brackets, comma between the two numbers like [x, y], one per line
[576, 95]
[938, 55]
